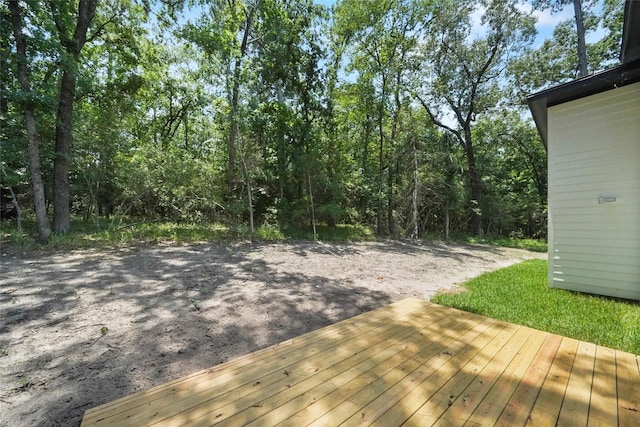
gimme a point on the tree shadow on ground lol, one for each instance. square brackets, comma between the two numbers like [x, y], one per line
[84, 328]
[166, 314]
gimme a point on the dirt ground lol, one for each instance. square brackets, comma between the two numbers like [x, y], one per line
[83, 328]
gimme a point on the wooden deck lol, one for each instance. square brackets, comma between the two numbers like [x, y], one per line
[409, 363]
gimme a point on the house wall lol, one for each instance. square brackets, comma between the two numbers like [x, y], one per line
[594, 152]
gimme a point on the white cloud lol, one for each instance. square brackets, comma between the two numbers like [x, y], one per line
[544, 17]
[547, 19]
[476, 21]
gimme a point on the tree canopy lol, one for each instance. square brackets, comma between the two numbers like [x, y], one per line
[406, 116]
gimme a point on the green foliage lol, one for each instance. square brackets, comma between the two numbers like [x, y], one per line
[292, 115]
[513, 168]
[339, 233]
[269, 232]
[87, 234]
[556, 59]
[519, 294]
[532, 245]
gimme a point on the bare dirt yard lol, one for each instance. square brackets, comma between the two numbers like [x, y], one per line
[81, 328]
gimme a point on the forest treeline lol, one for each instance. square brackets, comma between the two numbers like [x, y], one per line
[406, 116]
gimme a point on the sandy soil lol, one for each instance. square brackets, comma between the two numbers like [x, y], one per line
[169, 310]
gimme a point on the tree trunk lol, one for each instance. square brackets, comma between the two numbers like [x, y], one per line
[582, 47]
[390, 177]
[233, 126]
[415, 234]
[14, 202]
[379, 228]
[394, 135]
[30, 123]
[64, 120]
[247, 179]
[474, 184]
[313, 209]
[235, 95]
[61, 211]
[447, 222]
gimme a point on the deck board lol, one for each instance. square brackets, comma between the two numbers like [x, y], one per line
[408, 363]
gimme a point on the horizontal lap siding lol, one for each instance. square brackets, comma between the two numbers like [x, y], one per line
[594, 151]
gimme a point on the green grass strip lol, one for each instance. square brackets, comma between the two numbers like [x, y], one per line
[519, 294]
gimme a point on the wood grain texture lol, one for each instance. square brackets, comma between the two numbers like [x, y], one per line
[409, 363]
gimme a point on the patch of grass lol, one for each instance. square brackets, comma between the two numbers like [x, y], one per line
[519, 294]
[268, 233]
[338, 233]
[89, 234]
[507, 242]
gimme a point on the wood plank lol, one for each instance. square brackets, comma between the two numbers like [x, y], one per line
[628, 389]
[469, 327]
[271, 357]
[411, 362]
[411, 408]
[304, 373]
[516, 411]
[342, 378]
[317, 408]
[401, 381]
[575, 407]
[489, 410]
[431, 375]
[547, 406]
[604, 398]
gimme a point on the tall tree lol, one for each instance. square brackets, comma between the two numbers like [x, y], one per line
[463, 71]
[380, 35]
[579, 17]
[71, 26]
[224, 32]
[555, 61]
[37, 186]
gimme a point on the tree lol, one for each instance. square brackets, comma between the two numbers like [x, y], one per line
[513, 167]
[581, 45]
[225, 33]
[380, 35]
[555, 61]
[463, 73]
[72, 36]
[37, 186]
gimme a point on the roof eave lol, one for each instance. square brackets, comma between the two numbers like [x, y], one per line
[622, 75]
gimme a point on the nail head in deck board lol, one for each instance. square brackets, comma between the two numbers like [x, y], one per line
[387, 364]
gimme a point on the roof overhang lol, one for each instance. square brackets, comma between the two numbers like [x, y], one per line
[590, 85]
[626, 73]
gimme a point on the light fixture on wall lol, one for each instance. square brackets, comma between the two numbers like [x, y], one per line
[606, 199]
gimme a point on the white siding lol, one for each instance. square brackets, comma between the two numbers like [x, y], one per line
[594, 151]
